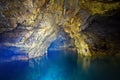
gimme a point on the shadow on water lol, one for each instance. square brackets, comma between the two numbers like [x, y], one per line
[62, 65]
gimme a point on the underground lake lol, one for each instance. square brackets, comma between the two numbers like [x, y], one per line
[59, 40]
[61, 65]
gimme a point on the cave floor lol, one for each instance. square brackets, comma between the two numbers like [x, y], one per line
[61, 65]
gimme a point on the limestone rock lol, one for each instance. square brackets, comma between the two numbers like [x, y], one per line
[32, 25]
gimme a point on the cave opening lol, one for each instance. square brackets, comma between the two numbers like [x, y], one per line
[62, 41]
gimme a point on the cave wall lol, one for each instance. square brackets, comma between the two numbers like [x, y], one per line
[25, 26]
[102, 35]
[32, 25]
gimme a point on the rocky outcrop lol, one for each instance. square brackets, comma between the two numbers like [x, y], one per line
[102, 35]
[23, 25]
[32, 25]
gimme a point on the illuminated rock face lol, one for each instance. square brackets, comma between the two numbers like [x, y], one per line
[32, 25]
[25, 27]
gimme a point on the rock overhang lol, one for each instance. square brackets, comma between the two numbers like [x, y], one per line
[33, 25]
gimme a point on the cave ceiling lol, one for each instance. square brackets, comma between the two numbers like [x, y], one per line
[32, 25]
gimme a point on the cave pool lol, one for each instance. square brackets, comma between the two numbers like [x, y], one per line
[61, 65]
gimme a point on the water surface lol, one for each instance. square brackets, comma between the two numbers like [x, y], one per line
[61, 65]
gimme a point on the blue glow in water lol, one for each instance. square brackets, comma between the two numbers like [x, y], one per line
[61, 65]
[8, 53]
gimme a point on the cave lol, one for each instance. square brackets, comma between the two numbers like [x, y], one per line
[59, 39]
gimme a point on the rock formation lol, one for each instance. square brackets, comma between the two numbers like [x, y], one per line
[32, 25]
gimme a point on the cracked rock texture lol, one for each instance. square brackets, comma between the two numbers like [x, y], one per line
[32, 25]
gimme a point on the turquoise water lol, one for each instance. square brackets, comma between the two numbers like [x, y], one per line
[61, 65]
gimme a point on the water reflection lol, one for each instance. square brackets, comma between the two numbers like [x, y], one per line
[56, 65]
[85, 62]
[62, 65]
[102, 61]
[59, 65]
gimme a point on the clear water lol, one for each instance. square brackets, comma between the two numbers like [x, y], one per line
[61, 65]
